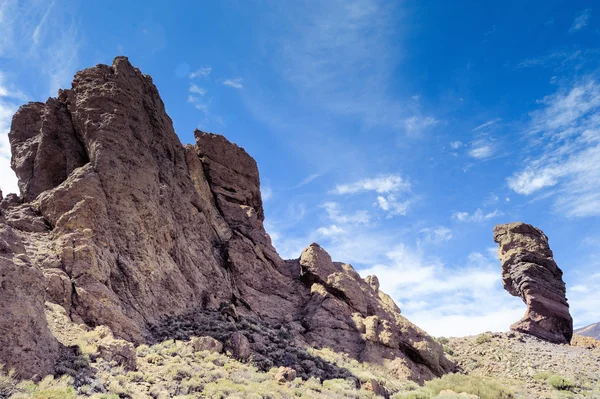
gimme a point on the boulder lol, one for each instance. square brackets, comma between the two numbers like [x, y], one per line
[239, 346]
[529, 271]
[285, 374]
[206, 344]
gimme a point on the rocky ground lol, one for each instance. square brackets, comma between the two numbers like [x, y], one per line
[529, 365]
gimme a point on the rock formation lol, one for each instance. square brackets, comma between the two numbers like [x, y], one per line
[122, 226]
[529, 271]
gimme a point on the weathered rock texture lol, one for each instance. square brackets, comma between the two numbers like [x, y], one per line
[529, 271]
[122, 226]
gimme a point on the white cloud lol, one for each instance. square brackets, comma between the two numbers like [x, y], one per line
[415, 125]
[487, 124]
[581, 20]
[477, 216]
[200, 72]
[330, 231]
[388, 187]
[34, 32]
[456, 144]
[307, 180]
[340, 57]
[392, 205]
[335, 213]
[472, 294]
[8, 179]
[481, 149]
[266, 193]
[235, 83]
[565, 134]
[437, 234]
[198, 104]
[381, 184]
[194, 88]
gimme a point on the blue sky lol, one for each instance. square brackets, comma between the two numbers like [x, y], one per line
[396, 134]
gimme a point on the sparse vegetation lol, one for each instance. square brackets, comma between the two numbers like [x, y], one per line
[484, 388]
[483, 338]
[556, 381]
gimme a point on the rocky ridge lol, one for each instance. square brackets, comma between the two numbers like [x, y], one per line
[593, 331]
[529, 271]
[122, 226]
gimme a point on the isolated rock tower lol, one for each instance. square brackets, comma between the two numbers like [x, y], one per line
[529, 271]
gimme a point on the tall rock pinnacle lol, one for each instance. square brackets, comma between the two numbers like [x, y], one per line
[529, 271]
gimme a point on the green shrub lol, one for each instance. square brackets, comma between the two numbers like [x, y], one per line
[483, 338]
[560, 383]
[485, 388]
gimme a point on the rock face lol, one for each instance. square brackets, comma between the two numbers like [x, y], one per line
[529, 271]
[122, 225]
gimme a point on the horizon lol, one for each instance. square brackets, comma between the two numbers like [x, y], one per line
[370, 139]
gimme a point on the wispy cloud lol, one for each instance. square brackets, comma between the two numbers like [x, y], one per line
[335, 214]
[581, 20]
[201, 72]
[456, 144]
[340, 57]
[481, 149]
[380, 184]
[476, 217]
[38, 33]
[389, 188]
[236, 83]
[436, 234]
[306, 180]
[194, 88]
[198, 104]
[392, 205]
[487, 124]
[416, 124]
[8, 180]
[565, 132]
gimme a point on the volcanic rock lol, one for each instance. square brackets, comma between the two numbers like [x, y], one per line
[529, 271]
[206, 344]
[123, 226]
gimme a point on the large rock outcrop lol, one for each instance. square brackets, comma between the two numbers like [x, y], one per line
[122, 226]
[529, 271]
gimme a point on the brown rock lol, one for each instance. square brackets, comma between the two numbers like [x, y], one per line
[529, 271]
[206, 344]
[374, 386]
[285, 374]
[239, 346]
[122, 226]
[119, 351]
[26, 343]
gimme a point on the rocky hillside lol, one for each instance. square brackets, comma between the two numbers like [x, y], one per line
[530, 367]
[122, 226]
[593, 331]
